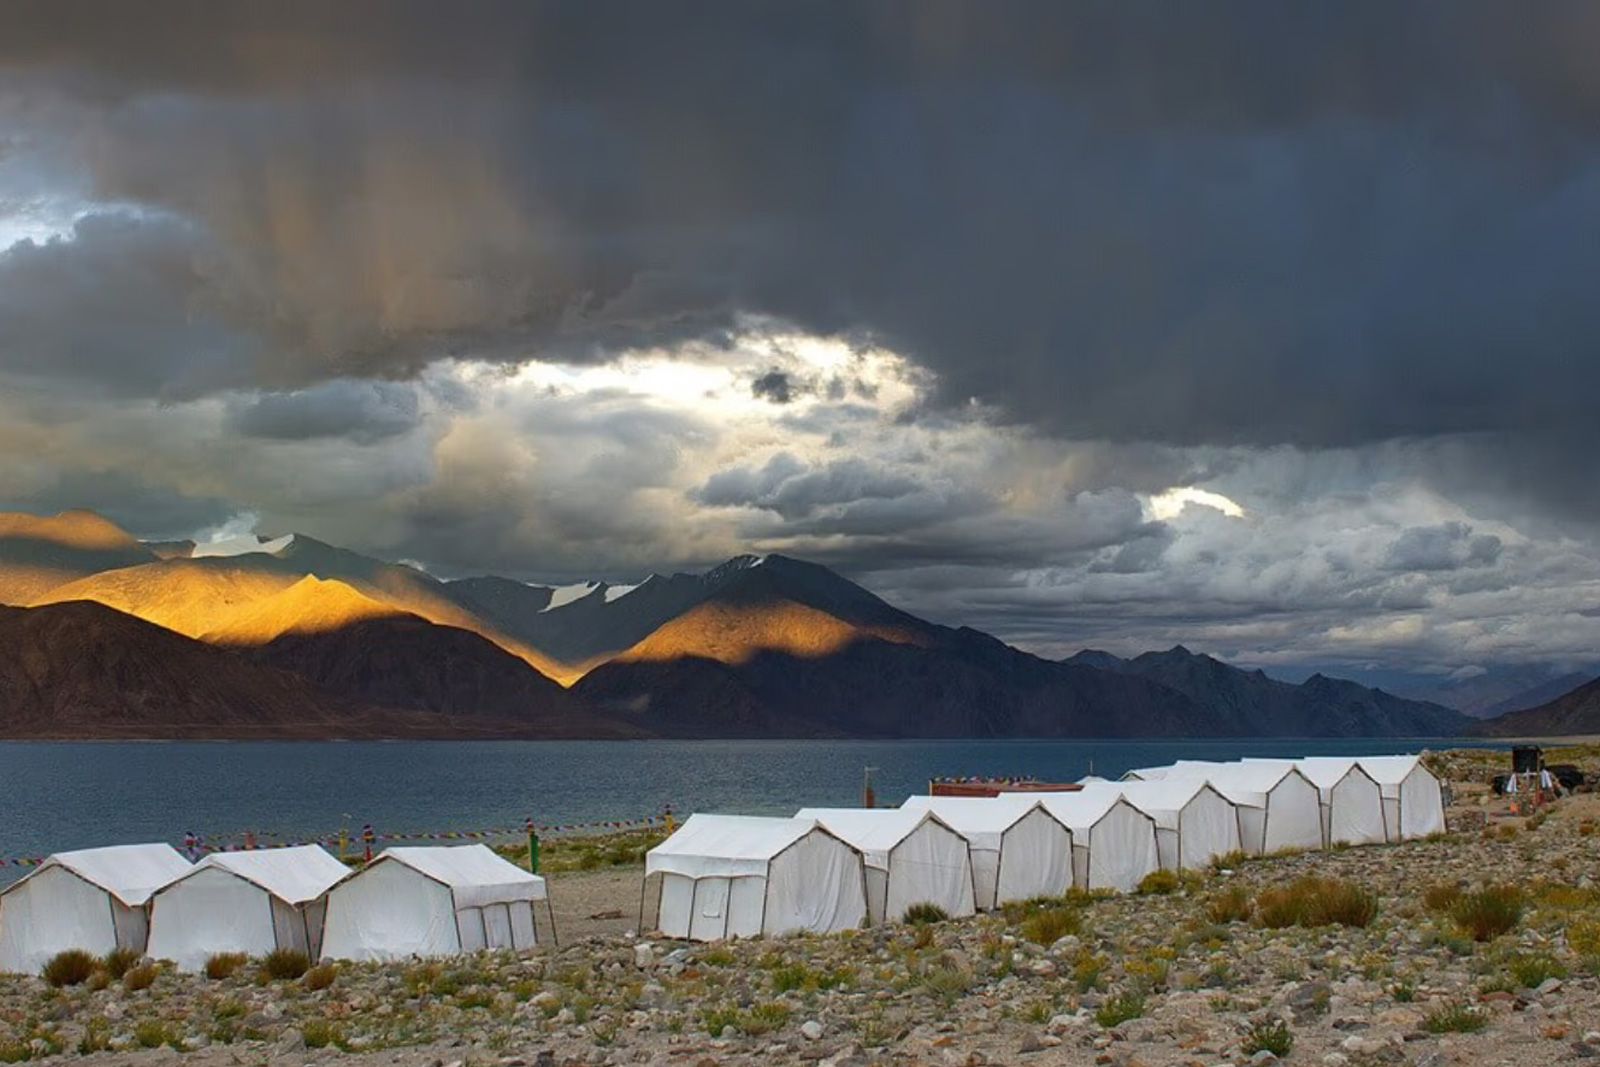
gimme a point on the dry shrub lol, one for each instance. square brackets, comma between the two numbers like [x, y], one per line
[225, 965]
[1231, 905]
[72, 967]
[1488, 912]
[1314, 901]
[285, 964]
[1441, 897]
[320, 977]
[119, 961]
[1049, 925]
[140, 977]
[1159, 883]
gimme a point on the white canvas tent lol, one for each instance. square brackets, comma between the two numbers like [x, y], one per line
[741, 876]
[1279, 807]
[912, 857]
[431, 902]
[94, 899]
[251, 902]
[1017, 852]
[1194, 822]
[1352, 803]
[1413, 802]
[1113, 843]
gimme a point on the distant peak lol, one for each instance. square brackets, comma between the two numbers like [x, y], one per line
[734, 566]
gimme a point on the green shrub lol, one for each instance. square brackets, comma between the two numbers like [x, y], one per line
[1120, 1008]
[118, 961]
[225, 964]
[320, 977]
[925, 913]
[140, 977]
[1489, 912]
[764, 1018]
[285, 964]
[947, 980]
[1229, 861]
[1231, 905]
[72, 967]
[320, 1033]
[96, 1036]
[791, 976]
[1049, 925]
[227, 1009]
[153, 1033]
[1268, 1035]
[1403, 992]
[717, 1020]
[1531, 970]
[1455, 1019]
[1159, 883]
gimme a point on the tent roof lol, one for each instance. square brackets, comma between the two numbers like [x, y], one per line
[1391, 770]
[1079, 811]
[1255, 777]
[474, 870]
[728, 845]
[981, 820]
[296, 875]
[875, 831]
[1161, 794]
[1325, 772]
[128, 872]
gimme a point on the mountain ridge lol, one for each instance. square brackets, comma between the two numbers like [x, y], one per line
[756, 646]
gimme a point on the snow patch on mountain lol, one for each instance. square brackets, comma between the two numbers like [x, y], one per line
[243, 546]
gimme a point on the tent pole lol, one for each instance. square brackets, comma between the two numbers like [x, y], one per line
[555, 938]
[644, 887]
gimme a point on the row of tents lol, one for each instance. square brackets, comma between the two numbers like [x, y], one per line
[150, 899]
[717, 876]
[829, 869]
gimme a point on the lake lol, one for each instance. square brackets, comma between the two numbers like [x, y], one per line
[60, 796]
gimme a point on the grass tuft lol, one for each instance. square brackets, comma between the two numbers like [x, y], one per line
[119, 961]
[1050, 924]
[1159, 883]
[1120, 1008]
[925, 913]
[285, 964]
[1268, 1035]
[1455, 1019]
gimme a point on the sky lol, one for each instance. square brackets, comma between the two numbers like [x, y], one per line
[1265, 328]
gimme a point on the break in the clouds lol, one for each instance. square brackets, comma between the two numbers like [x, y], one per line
[1263, 327]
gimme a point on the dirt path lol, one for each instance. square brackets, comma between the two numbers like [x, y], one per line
[602, 903]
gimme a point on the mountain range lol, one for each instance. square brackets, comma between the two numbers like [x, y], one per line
[293, 637]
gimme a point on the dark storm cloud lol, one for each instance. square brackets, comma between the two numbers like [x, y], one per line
[774, 386]
[1189, 224]
[365, 412]
[111, 311]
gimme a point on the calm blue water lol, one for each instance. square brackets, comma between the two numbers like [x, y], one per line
[80, 795]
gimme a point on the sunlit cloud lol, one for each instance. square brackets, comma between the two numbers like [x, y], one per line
[1170, 504]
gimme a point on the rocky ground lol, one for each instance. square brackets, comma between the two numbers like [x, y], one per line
[1154, 979]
